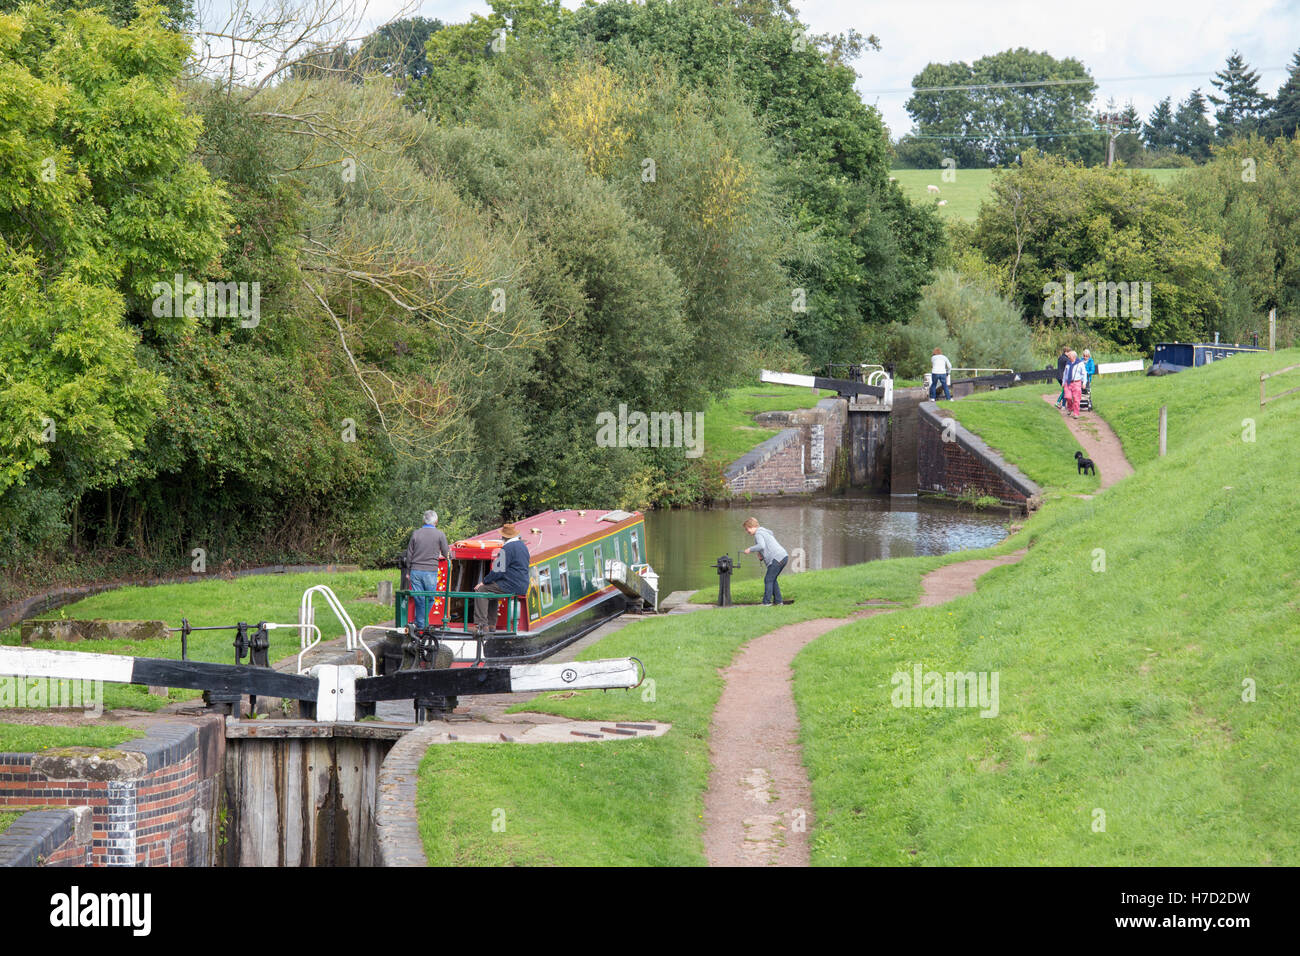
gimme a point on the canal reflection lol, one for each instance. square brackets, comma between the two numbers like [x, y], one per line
[833, 530]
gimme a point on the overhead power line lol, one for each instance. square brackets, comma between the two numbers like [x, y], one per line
[1078, 81]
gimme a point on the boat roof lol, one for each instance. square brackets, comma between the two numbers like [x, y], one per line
[552, 531]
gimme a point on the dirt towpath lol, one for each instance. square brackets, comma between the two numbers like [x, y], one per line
[758, 808]
[1100, 443]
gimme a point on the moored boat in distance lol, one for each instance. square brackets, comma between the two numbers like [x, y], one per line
[585, 567]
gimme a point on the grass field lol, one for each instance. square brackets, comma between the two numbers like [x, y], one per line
[729, 429]
[1027, 432]
[1148, 693]
[966, 192]
[267, 597]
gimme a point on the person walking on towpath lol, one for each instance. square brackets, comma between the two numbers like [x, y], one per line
[427, 545]
[773, 555]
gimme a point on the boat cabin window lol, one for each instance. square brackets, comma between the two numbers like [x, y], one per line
[582, 570]
[617, 556]
[636, 549]
[544, 586]
[564, 579]
[598, 568]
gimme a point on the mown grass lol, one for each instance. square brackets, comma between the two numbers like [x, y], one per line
[273, 598]
[1027, 432]
[1125, 642]
[729, 429]
[29, 739]
[970, 187]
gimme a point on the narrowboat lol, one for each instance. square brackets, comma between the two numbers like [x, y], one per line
[1170, 357]
[585, 567]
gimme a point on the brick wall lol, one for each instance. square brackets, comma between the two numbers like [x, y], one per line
[150, 801]
[953, 461]
[48, 838]
[797, 459]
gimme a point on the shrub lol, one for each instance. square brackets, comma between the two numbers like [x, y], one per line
[973, 325]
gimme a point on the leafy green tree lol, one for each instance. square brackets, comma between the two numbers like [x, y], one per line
[397, 49]
[1247, 196]
[177, 13]
[99, 199]
[1005, 111]
[862, 251]
[1241, 104]
[1051, 221]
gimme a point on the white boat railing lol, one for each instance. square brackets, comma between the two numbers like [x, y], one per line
[352, 640]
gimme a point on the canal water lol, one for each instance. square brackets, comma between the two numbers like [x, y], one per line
[833, 530]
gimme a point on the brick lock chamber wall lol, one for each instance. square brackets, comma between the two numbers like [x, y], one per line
[965, 464]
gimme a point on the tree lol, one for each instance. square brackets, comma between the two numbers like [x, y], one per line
[178, 13]
[1061, 223]
[1255, 219]
[1006, 109]
[1191, 130]
[99, 200]
[1158, 133]
[1284, 119]
[1242, 104]
[861, 252]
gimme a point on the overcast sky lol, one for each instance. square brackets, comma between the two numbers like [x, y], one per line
[1130, 46]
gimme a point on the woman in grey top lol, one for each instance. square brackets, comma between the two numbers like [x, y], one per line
[773, 555]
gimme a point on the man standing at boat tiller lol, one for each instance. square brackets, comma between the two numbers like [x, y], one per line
[512, 579]
[428, 544]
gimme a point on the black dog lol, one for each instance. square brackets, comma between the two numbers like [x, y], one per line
[1085, 464]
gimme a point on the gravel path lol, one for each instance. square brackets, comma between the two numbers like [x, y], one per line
[758, 808]
[1100, 444]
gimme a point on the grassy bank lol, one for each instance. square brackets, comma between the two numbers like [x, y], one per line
[1124, 643]
[7, 819]
[729, 429]
[1028, 433]
[274, 598]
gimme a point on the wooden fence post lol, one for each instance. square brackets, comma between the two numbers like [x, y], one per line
[1164, 427]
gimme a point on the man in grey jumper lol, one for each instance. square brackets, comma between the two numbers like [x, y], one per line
[773, 555]
[428, 544]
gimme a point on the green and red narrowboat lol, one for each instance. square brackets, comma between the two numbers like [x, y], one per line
[585, 567]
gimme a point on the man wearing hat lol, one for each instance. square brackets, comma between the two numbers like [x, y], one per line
[513, 560]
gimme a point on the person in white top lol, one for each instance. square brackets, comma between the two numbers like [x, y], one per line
[939, 369]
